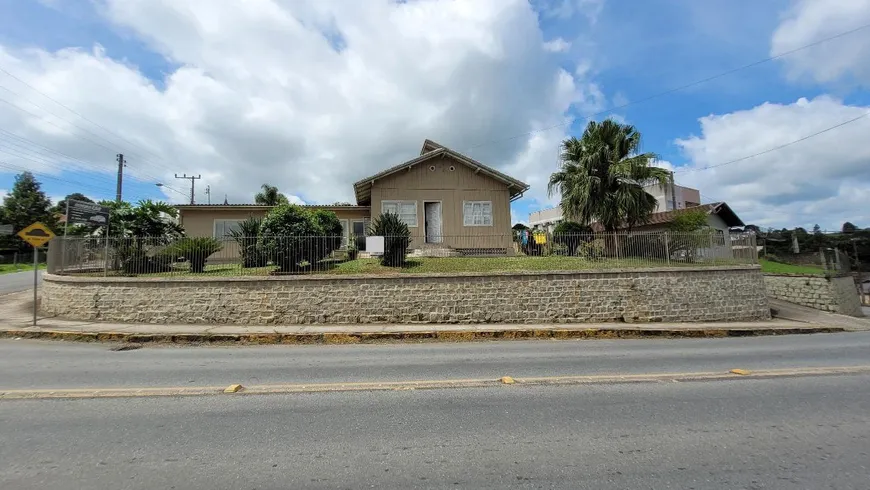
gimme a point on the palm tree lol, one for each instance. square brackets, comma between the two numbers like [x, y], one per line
[603, 176]
[270, 196]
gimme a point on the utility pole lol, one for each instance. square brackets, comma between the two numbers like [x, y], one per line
[208, 193]
[192, 182]
[121, 165]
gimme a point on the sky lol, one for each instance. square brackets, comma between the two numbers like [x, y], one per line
[313, 96]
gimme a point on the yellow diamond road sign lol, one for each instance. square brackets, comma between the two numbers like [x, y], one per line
[36, 234]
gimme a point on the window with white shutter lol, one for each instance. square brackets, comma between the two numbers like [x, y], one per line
[407, 211]
[477, 213]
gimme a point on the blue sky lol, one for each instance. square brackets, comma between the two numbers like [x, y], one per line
[266, 94]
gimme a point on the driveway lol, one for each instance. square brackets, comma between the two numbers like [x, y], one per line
[17, 281]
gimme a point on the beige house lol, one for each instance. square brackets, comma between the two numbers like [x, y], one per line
[448, 200]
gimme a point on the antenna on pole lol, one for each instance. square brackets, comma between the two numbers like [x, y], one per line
[208, 193]
[192, 183]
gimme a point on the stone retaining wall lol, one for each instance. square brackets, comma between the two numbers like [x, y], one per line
[645, 295]
[834, 294]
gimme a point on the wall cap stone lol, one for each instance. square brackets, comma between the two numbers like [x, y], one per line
[369, 277]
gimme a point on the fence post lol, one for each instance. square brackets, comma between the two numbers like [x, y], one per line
[667, 251]
[616, 245]
[106, 268]
[712, 249]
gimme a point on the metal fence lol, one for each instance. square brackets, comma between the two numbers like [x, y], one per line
[160, 256]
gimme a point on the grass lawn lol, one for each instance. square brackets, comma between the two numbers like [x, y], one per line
[9, 268]
[492, 264]
[780, 268]
[424, 265]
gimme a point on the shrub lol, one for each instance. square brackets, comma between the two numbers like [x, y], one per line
[396, 235]
[593, 249]
[352, 248]
[570, 235]
[645, 245]
[293, 236]
[135, 257]
[332, 231]
[246, 236]
[196, 250]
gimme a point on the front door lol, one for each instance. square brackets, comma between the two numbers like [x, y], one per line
[359, 233]
[432, 214]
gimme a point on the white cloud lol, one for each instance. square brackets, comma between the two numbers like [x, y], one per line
[664, 164]
[812, 20]
[825, 179]
[306, 96]
[557, 45]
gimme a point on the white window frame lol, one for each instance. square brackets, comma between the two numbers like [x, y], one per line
[468, 219]
[215, 224]
[399, 204]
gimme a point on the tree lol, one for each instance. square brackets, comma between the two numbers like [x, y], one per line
[25, 205]
[270, 196]
[141, 234]
[519, 227]
[603, 175]
[396, 235]
[196, 250]
[246, 237]
[572, 235]
[849, 227]
[689, 233]
[295, 237]
[60, 208]
[817, 230]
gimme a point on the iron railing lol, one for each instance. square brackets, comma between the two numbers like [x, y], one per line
[532, 251]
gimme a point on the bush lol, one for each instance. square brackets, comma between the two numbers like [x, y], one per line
[246, 236]
[332, 231]
[650, 246]
[592, 250]
[135, 258]
[570, 236]
[196, 250]
[396, 235]
[293, 236]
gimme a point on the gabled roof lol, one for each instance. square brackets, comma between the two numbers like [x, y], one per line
[363, 188]
[720, 209]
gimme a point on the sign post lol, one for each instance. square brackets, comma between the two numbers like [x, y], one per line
[88, 213]
[36, 235]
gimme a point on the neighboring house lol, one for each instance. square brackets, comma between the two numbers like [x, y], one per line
[720, 217]
[668, 198]
[448, 200]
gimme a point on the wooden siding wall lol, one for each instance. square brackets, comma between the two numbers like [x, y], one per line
[421, 183]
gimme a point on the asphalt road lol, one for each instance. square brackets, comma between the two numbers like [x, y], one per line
[794, 433]
[17, 281]
[33, 364]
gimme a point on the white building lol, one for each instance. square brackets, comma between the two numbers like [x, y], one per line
[668, 198]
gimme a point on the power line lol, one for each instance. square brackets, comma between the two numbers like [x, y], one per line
[192, 183]
[18, 168]
[775, 148]
[43, 158]
[74, 111]
[682, 87]
[44, 118]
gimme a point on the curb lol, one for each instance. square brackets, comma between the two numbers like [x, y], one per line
[417, 336]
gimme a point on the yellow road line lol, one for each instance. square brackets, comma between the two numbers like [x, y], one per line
[424, 384]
